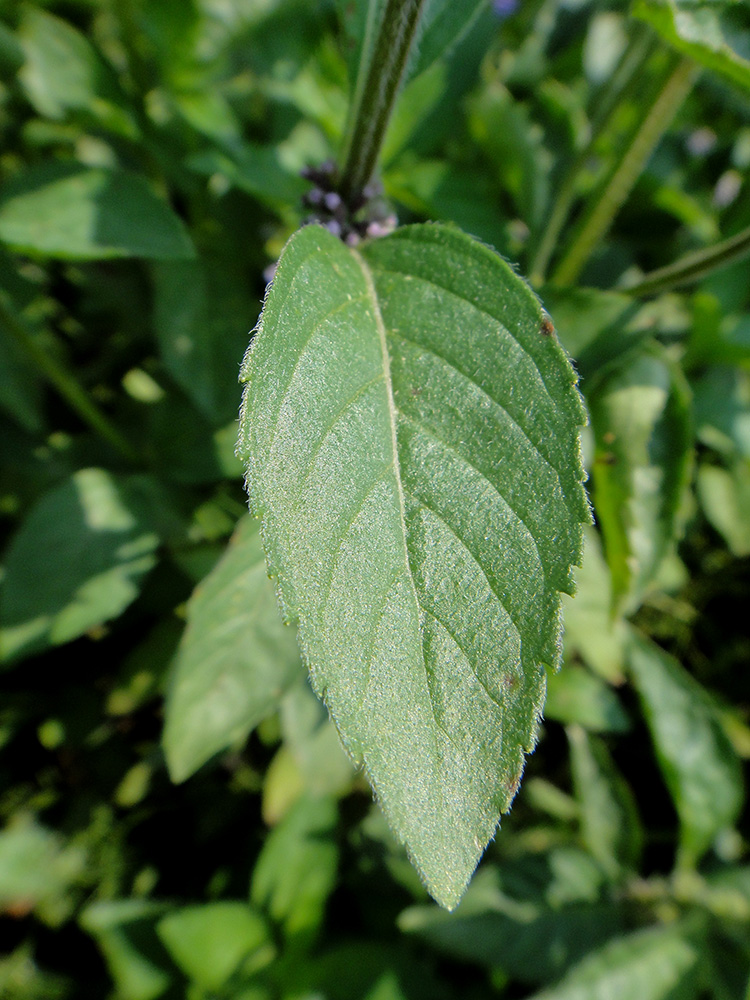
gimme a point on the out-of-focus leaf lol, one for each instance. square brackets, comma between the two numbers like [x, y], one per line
[77, 560]
[641, 420]
[202, 311]
[208, 942]
[125, 932]
[655, 964]
[235, 660]
[314, 743]
[513, 142]
[595, 327]
[420, 517]
[63, 72]
[73, 212]
[696, 28]
[699, 765]
[296, 870]
[36, 868]
[722, 410]
[591, 631]
[610, 824]
[725, 498]
[527, 936]
[576, 696]
[20, 386]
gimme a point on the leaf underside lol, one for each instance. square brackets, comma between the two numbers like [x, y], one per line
[410, 432]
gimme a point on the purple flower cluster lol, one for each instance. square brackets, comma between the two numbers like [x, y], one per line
[367, 217]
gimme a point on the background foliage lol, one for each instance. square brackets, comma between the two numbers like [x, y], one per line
[149, 176]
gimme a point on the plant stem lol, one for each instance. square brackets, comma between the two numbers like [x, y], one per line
[67, 386]
[602, 211]
[627, 74]
[692, 266]
[376, 94]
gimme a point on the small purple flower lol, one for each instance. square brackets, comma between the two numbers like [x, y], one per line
[504, 8]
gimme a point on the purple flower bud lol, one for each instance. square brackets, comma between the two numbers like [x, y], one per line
[504, 8]
[332, 201]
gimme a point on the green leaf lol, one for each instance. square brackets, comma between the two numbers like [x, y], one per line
[235, 661]
[36, 868]
[411, 437]
[208, 942]
[699, 765]
[296, 870]
[63, 73]
[77, 560]
[610, 824]
[725, 498]
[575, 695]
[641, 421]
[125, 933]
[73, 212]
[591, 632]
[312, 740]
[659, 963]
[531, 938]
[696, 28]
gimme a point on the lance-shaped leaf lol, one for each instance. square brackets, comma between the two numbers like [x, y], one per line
[410, 428]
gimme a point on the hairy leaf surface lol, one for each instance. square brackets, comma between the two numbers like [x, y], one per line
[410, 429]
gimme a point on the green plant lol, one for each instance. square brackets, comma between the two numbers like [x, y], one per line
[156, 159]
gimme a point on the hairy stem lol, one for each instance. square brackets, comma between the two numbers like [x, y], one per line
[66, 385]
[603, 209]
[625, 78]
[376, 95]
[693, 266]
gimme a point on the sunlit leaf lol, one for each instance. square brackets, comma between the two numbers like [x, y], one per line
[410, 429]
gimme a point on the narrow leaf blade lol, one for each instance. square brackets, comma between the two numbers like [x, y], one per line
[411, 437]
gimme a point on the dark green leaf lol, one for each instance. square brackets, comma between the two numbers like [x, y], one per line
[88, 213]
[699, 765]
[235, 661]
[656, 964]
[610, 824]
[411, 436]
[77, 560]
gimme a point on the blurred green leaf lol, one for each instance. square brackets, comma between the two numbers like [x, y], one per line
[725, 498]
[698, 763]
[36, 868]
[697, 29]
[125, 932]
[722, 410]
[576, 696]
[296, 870]
[73, 212]
[655, 964]
[641, 420]
[235, 661]
[208, 942]
[610, 824]
[77, 560]
[591, 631]
[532, 938]
[63, 72]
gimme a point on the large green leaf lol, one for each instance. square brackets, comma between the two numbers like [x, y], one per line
[76, 561]
[725, 498]
[235, 661]
[73, 212]
[699, 765]
[410, 429]
[641, 420]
